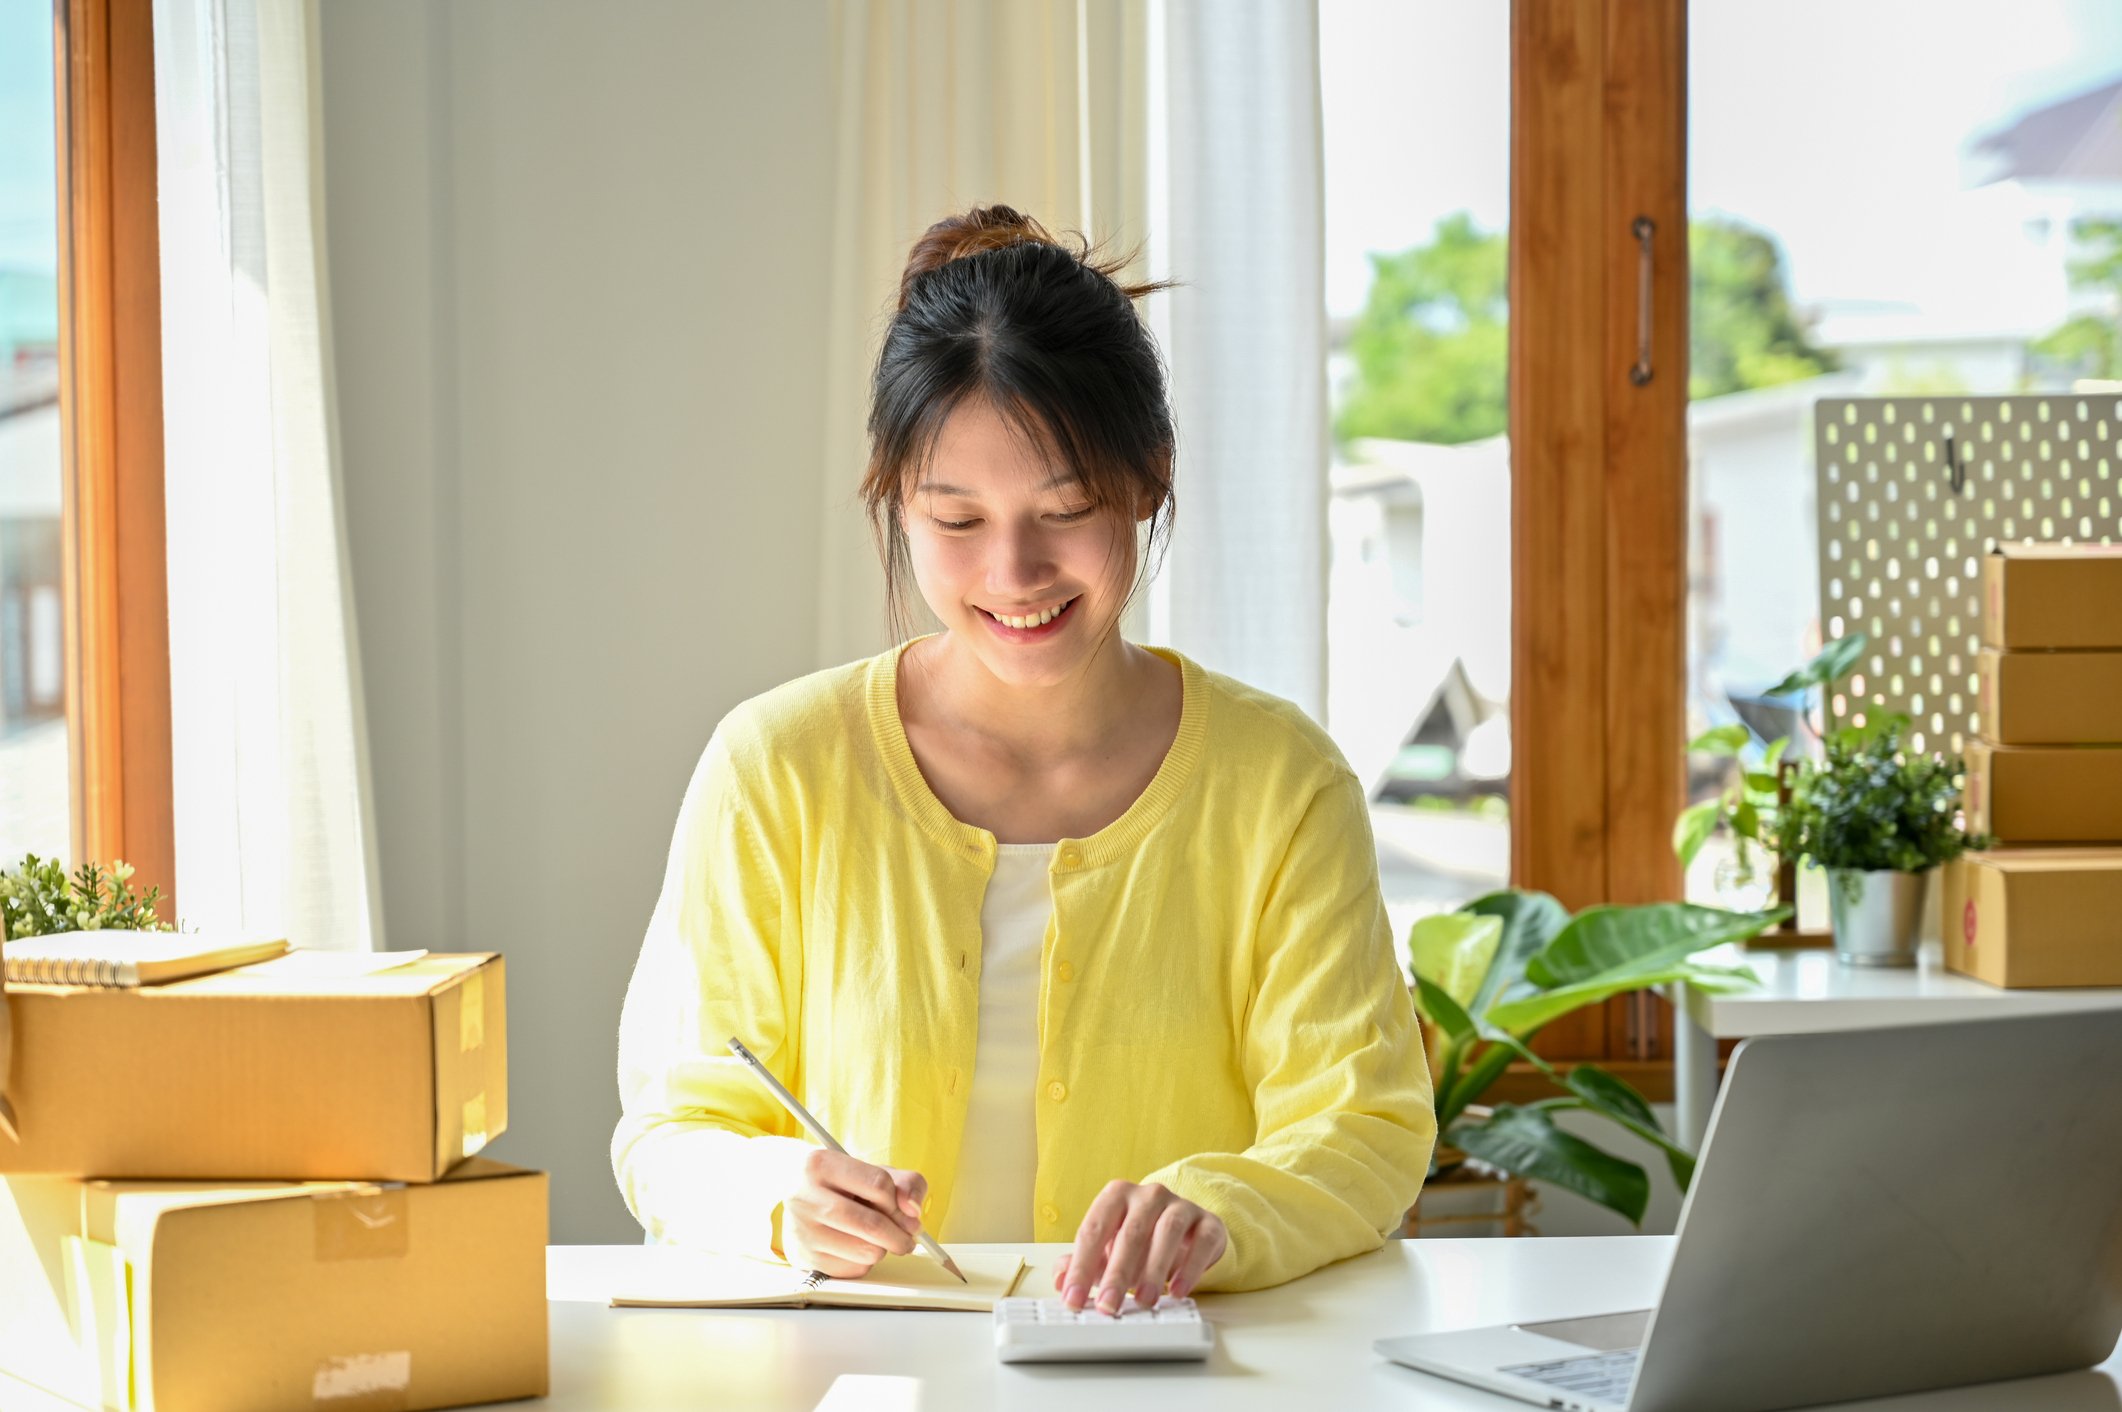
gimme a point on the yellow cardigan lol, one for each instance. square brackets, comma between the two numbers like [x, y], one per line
[1220, 1008]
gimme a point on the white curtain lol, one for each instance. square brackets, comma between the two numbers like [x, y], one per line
[272, 801]
[1037, 104]
[1189, 125]
[1239, 219]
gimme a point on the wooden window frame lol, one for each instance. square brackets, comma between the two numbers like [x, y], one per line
[1598, 477]
[110, 413]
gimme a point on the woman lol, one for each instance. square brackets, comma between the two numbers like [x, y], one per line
[1065, 938]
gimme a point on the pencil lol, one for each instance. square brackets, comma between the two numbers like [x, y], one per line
[817, 1130]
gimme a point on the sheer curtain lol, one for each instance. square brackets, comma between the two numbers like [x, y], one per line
[1038, 104]
[1189, 125]
[1240, 221]
[272, 801]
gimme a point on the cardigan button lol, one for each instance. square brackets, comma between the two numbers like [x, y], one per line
[1070, 856]
[1065, 971]
[1050, 1214]
[1057, 1091]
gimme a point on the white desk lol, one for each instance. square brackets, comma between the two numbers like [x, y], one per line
[1306, 1345]
[1809, 992]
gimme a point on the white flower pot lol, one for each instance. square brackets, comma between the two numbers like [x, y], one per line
[1876, 915]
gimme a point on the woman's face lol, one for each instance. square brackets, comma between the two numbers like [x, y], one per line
[1010, 554]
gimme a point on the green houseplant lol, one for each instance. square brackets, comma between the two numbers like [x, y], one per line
[38, 898]
[1495, 973]
[1879, 819]
[1750, 807]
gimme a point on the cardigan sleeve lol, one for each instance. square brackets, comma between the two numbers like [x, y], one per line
[1344, 1117]
[703, 1153]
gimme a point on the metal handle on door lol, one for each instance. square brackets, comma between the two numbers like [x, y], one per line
[1643, 229]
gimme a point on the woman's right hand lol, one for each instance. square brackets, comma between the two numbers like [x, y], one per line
[845, 1215]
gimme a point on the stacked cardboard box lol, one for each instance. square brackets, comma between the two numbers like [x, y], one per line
[259, 1189]
[2044, 775]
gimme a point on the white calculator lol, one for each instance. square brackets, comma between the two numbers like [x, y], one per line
[1048, 1331]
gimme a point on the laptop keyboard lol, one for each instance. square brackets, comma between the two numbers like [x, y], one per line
[1605, 1376]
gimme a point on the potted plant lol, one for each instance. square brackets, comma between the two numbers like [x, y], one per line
[38, 898]
[1750, 807]
[1879, 819]
[1492, 975]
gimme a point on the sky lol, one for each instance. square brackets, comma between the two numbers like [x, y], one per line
[1837, 125]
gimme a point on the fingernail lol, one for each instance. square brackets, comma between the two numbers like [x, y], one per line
[1075, 1297]
[1109, 1300]
[911, 1207]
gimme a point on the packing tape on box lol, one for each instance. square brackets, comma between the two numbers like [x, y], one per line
[471, 1013]
[475, 1123]
[371, 1223]
[363, 1382]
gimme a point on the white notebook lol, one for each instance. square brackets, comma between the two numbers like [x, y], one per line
[127, 958]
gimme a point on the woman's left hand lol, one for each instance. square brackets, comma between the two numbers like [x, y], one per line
[1139, 1238]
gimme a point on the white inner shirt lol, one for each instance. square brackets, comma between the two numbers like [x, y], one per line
[993, 1200]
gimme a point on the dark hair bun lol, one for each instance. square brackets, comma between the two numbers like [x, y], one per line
[985, 228]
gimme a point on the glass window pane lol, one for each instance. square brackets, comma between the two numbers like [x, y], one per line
[1417, 134]
[1937, 210]
[34, 807]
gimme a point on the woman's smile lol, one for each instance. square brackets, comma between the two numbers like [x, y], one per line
[1033, 625]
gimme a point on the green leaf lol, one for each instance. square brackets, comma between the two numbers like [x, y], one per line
[1614, 1098]
[1525, 1142]
[1441, 1010]
[1724, 740]
[1454, 950]
[1776, 748]
[1457, 1027]
[1530, 921]
[1746, 820]
[1693, 828]
[1529, 1013]
[1762, 783]
[1832, 664]
[1601, 942]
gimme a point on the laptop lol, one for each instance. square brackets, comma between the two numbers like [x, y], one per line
[1876, 1212]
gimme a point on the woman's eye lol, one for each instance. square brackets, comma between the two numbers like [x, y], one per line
[952, 524]
[1069, 517]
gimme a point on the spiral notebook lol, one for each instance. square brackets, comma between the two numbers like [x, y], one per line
[682, 1279]
[126, 958]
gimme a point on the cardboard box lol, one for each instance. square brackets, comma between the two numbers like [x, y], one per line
[2052, 596]
[2045, 793]
[193, 1297]
[2050, 698]
[276, 1071]
[2035, 917]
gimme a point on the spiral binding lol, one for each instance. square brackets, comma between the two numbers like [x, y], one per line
[96, 971]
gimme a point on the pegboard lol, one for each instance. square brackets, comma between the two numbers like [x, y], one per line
[1912, 492]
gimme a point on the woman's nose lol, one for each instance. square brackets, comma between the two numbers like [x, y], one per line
[1022, 561]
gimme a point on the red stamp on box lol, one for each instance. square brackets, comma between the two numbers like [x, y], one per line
[1967, 921]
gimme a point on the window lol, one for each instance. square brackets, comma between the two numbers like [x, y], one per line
[1418, 612]
[35, 811]
[1953, 225]
[84, 639]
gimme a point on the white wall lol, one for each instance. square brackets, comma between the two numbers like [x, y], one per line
[578, 258]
